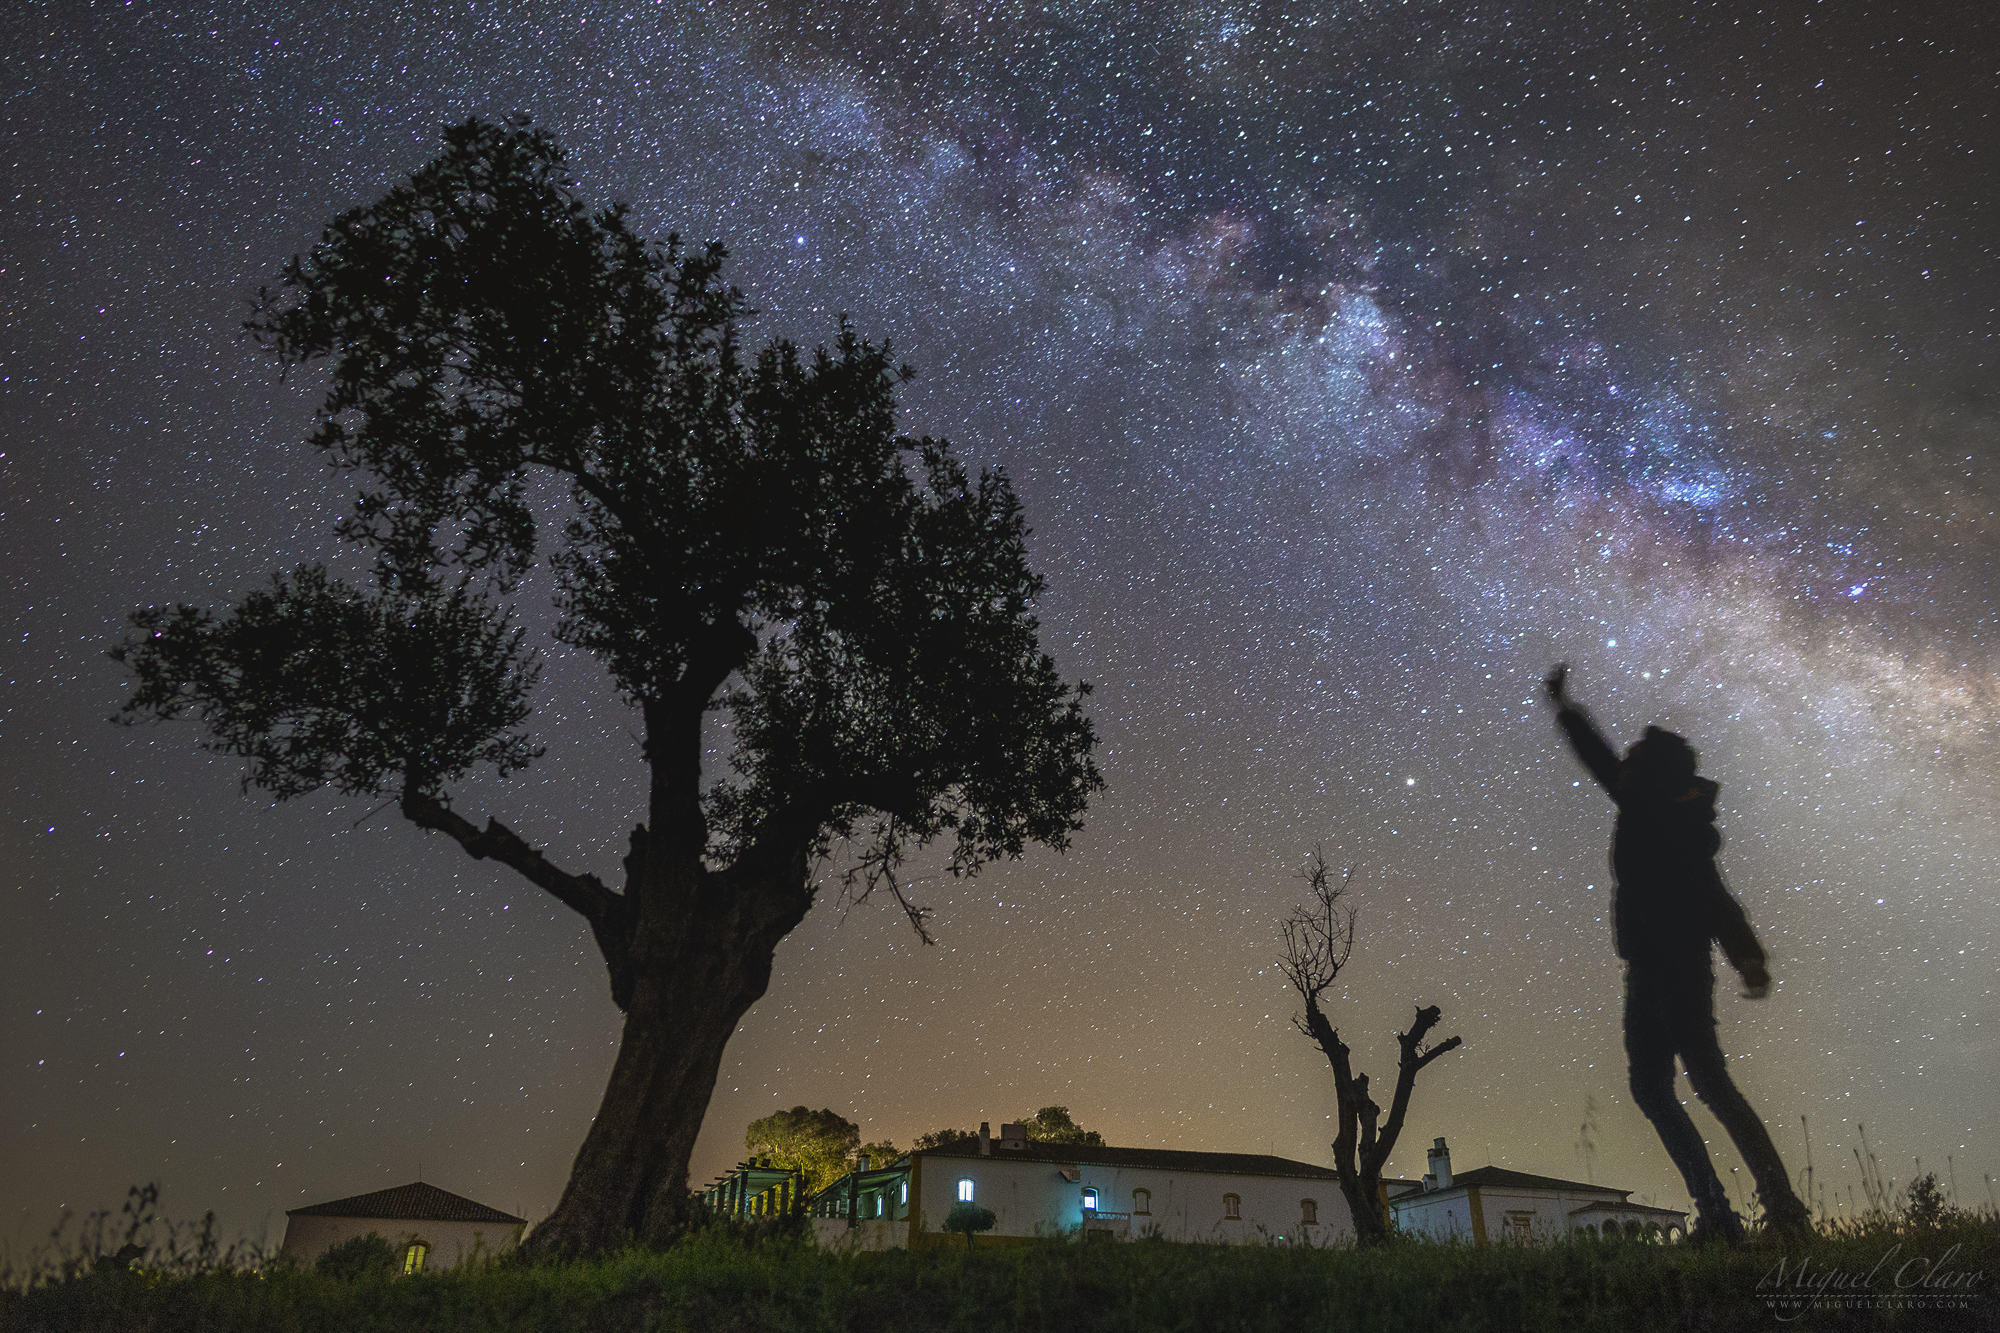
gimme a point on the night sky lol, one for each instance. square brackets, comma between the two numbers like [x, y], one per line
[1355, 361]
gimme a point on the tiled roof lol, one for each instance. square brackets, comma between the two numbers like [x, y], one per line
[415, 1202]
[1499, 1177]
[1162, 1159]
[1607, 1206]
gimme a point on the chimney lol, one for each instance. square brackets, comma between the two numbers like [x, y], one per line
[1013, 1136]
[985, 1139]
[866, 1163]
[1439, 1161]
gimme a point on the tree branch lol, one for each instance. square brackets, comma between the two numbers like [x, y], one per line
[609, 914]
[1413, 1059]
[584, 894]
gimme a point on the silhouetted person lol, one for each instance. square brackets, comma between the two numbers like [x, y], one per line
[1667, 903]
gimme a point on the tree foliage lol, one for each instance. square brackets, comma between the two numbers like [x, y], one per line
[516, 376]
[880, 1153]
[820, 1144]
[1052, 1124]
[319, 684]
[763, 521]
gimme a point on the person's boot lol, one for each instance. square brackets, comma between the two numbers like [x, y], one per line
[1717, 1224]
[1788, 1221]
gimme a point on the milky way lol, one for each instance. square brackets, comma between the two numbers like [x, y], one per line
[1354, 362]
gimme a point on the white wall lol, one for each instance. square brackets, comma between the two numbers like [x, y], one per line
[1447, 1214]
[308, 1237]
[1031, 1198]
[872, 1233]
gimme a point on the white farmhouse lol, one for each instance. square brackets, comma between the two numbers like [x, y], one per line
[430, 1228]
[1489, 1203]
[1048, 1189]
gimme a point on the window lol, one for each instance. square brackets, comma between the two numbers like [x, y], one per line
[1090, 1201]
[413, 1256]
[880, 1200]
[965, 1191]
[1520, 1223]
[1309, 1212]
[1232, 1207]
[1142, 1202]
[903, 1192]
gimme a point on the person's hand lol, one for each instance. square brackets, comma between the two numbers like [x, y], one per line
[1756, 980]
[1557, 684]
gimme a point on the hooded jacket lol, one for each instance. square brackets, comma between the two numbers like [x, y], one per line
[1667, 899]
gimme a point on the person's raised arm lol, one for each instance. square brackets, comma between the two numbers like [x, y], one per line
[1589, 744]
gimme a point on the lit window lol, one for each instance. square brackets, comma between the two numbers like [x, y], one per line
[413, 1256]
[1232, 1207]
[1142, 1202]
[965, 1191]
[1090, 1201]
[879, 1201]
[903, 1196]
[1308, 1212]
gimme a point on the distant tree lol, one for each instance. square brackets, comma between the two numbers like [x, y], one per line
[1319, 938]
[818, 1144]
[882, 1153]
[1924, 1203]
[755, 540]
[1052, 1124]
[966, 1218]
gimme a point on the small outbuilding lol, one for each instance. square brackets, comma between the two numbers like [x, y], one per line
[429, 1228]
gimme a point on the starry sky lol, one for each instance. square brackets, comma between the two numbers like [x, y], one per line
[1355, 360]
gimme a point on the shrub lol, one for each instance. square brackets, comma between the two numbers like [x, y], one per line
[968, 1217]
[364, 1256]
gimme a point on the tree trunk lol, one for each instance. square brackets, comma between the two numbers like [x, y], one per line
[1364, 1203]
[630, 1180]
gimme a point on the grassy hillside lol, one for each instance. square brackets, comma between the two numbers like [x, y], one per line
[1883, 1275]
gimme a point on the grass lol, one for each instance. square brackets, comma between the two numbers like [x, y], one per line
[765, 1280]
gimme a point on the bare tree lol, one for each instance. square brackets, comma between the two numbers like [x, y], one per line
[1319, 939]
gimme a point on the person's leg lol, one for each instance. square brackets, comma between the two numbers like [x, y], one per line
[1649, 1047]
[1708, 1072]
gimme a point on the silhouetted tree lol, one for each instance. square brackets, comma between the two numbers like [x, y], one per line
[1925, 1206]
[1319, 939]
[754, 539]
[880, 1153]
[818, 1144]
[939, 1138]
[1052, 1124]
